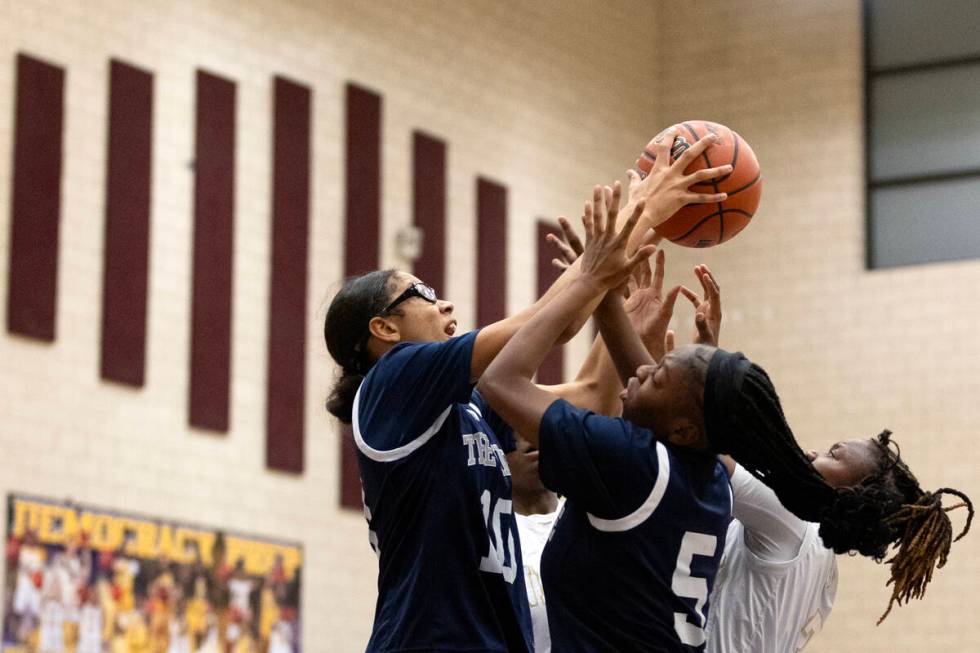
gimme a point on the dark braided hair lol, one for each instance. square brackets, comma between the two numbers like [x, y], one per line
[745, 419]
[345, 330]
[753, 431]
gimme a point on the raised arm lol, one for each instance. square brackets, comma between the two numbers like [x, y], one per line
[506, 384]
[492, 338]
[661, 193]
[625, 347]
[598, 385]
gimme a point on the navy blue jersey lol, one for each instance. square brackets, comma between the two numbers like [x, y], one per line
[437, 499]
[632, 558]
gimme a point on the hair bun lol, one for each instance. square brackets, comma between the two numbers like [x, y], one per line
[856, 521]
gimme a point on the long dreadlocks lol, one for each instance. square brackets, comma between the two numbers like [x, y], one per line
[744, 418]
[922, 530]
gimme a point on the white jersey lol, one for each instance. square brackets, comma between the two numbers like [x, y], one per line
[27, 595]
[281, 638]
[534, 531]
[240, 589]
[90, 629]
[776, 584]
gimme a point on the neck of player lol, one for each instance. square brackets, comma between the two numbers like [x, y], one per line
[543, 502]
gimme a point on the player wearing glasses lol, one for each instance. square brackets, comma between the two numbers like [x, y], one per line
[437, 489]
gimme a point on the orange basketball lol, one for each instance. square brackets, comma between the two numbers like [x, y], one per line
[707, 225]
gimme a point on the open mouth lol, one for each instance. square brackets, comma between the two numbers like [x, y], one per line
[630, 386]
[451, 328]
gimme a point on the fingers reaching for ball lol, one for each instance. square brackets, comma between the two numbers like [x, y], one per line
[711, 204]
[605, 257]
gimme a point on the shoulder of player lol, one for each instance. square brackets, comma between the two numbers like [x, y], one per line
[407, 352]
[699, 461]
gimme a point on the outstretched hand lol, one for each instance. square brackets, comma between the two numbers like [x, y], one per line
[707, 310]
[648, 309]
[666, 188]
[569, 246]
[605, 258]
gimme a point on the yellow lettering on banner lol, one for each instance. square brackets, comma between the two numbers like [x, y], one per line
[146, 539]
[165, 544]
[27, 516]
[205, 544]
[129, 527]
[139, 538]
[107, 532]
[236, 549]
[49, 532]
[69, 524]
[53, 524]
[181, 538]
[86, 524]
[259, 557]
[292, 558]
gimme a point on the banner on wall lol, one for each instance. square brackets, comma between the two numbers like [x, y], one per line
[81, 579]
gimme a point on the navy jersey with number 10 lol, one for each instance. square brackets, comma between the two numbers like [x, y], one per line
[437, 497]
[632, 558]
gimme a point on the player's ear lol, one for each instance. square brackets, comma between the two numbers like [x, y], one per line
[384, 329]
[684, 433]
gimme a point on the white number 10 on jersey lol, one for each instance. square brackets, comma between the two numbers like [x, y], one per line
[685, 585]
[496, 559]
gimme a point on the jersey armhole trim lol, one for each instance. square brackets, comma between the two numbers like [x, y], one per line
[641, 514]
[397, 453]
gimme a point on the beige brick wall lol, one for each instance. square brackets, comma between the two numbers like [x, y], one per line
[547, 98]
[851, 350]
[541, 97]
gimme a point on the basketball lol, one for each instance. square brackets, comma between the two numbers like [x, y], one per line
[707, 225]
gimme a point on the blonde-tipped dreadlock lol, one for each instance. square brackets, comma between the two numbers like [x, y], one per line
[925, 536]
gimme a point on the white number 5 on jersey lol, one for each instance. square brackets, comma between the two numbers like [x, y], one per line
[685, 585]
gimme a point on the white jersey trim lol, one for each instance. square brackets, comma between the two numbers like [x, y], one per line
[397, 453]
[641, 514]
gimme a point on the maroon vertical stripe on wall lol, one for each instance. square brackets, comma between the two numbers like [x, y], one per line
[214, 189]
[363, 159]
[552, 370]
[36, 202]
[363, 179]
[286, 385]
[429, 208]
[127, 224]
[491, 253]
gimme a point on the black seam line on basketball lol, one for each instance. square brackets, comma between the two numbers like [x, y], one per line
[707, 161]
[708, 217]
[652, 157]
[694, 135]
[752, 183]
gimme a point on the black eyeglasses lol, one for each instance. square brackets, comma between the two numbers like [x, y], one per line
[417, 289]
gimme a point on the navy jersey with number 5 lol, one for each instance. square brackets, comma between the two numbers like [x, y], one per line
[632, 558]
[437, 497]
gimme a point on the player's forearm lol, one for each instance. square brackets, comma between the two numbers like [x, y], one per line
[601, 379]
[528, 348]
[653, 216]
[573, 327]
[507, 385]
[596, 387]
[625, 347]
